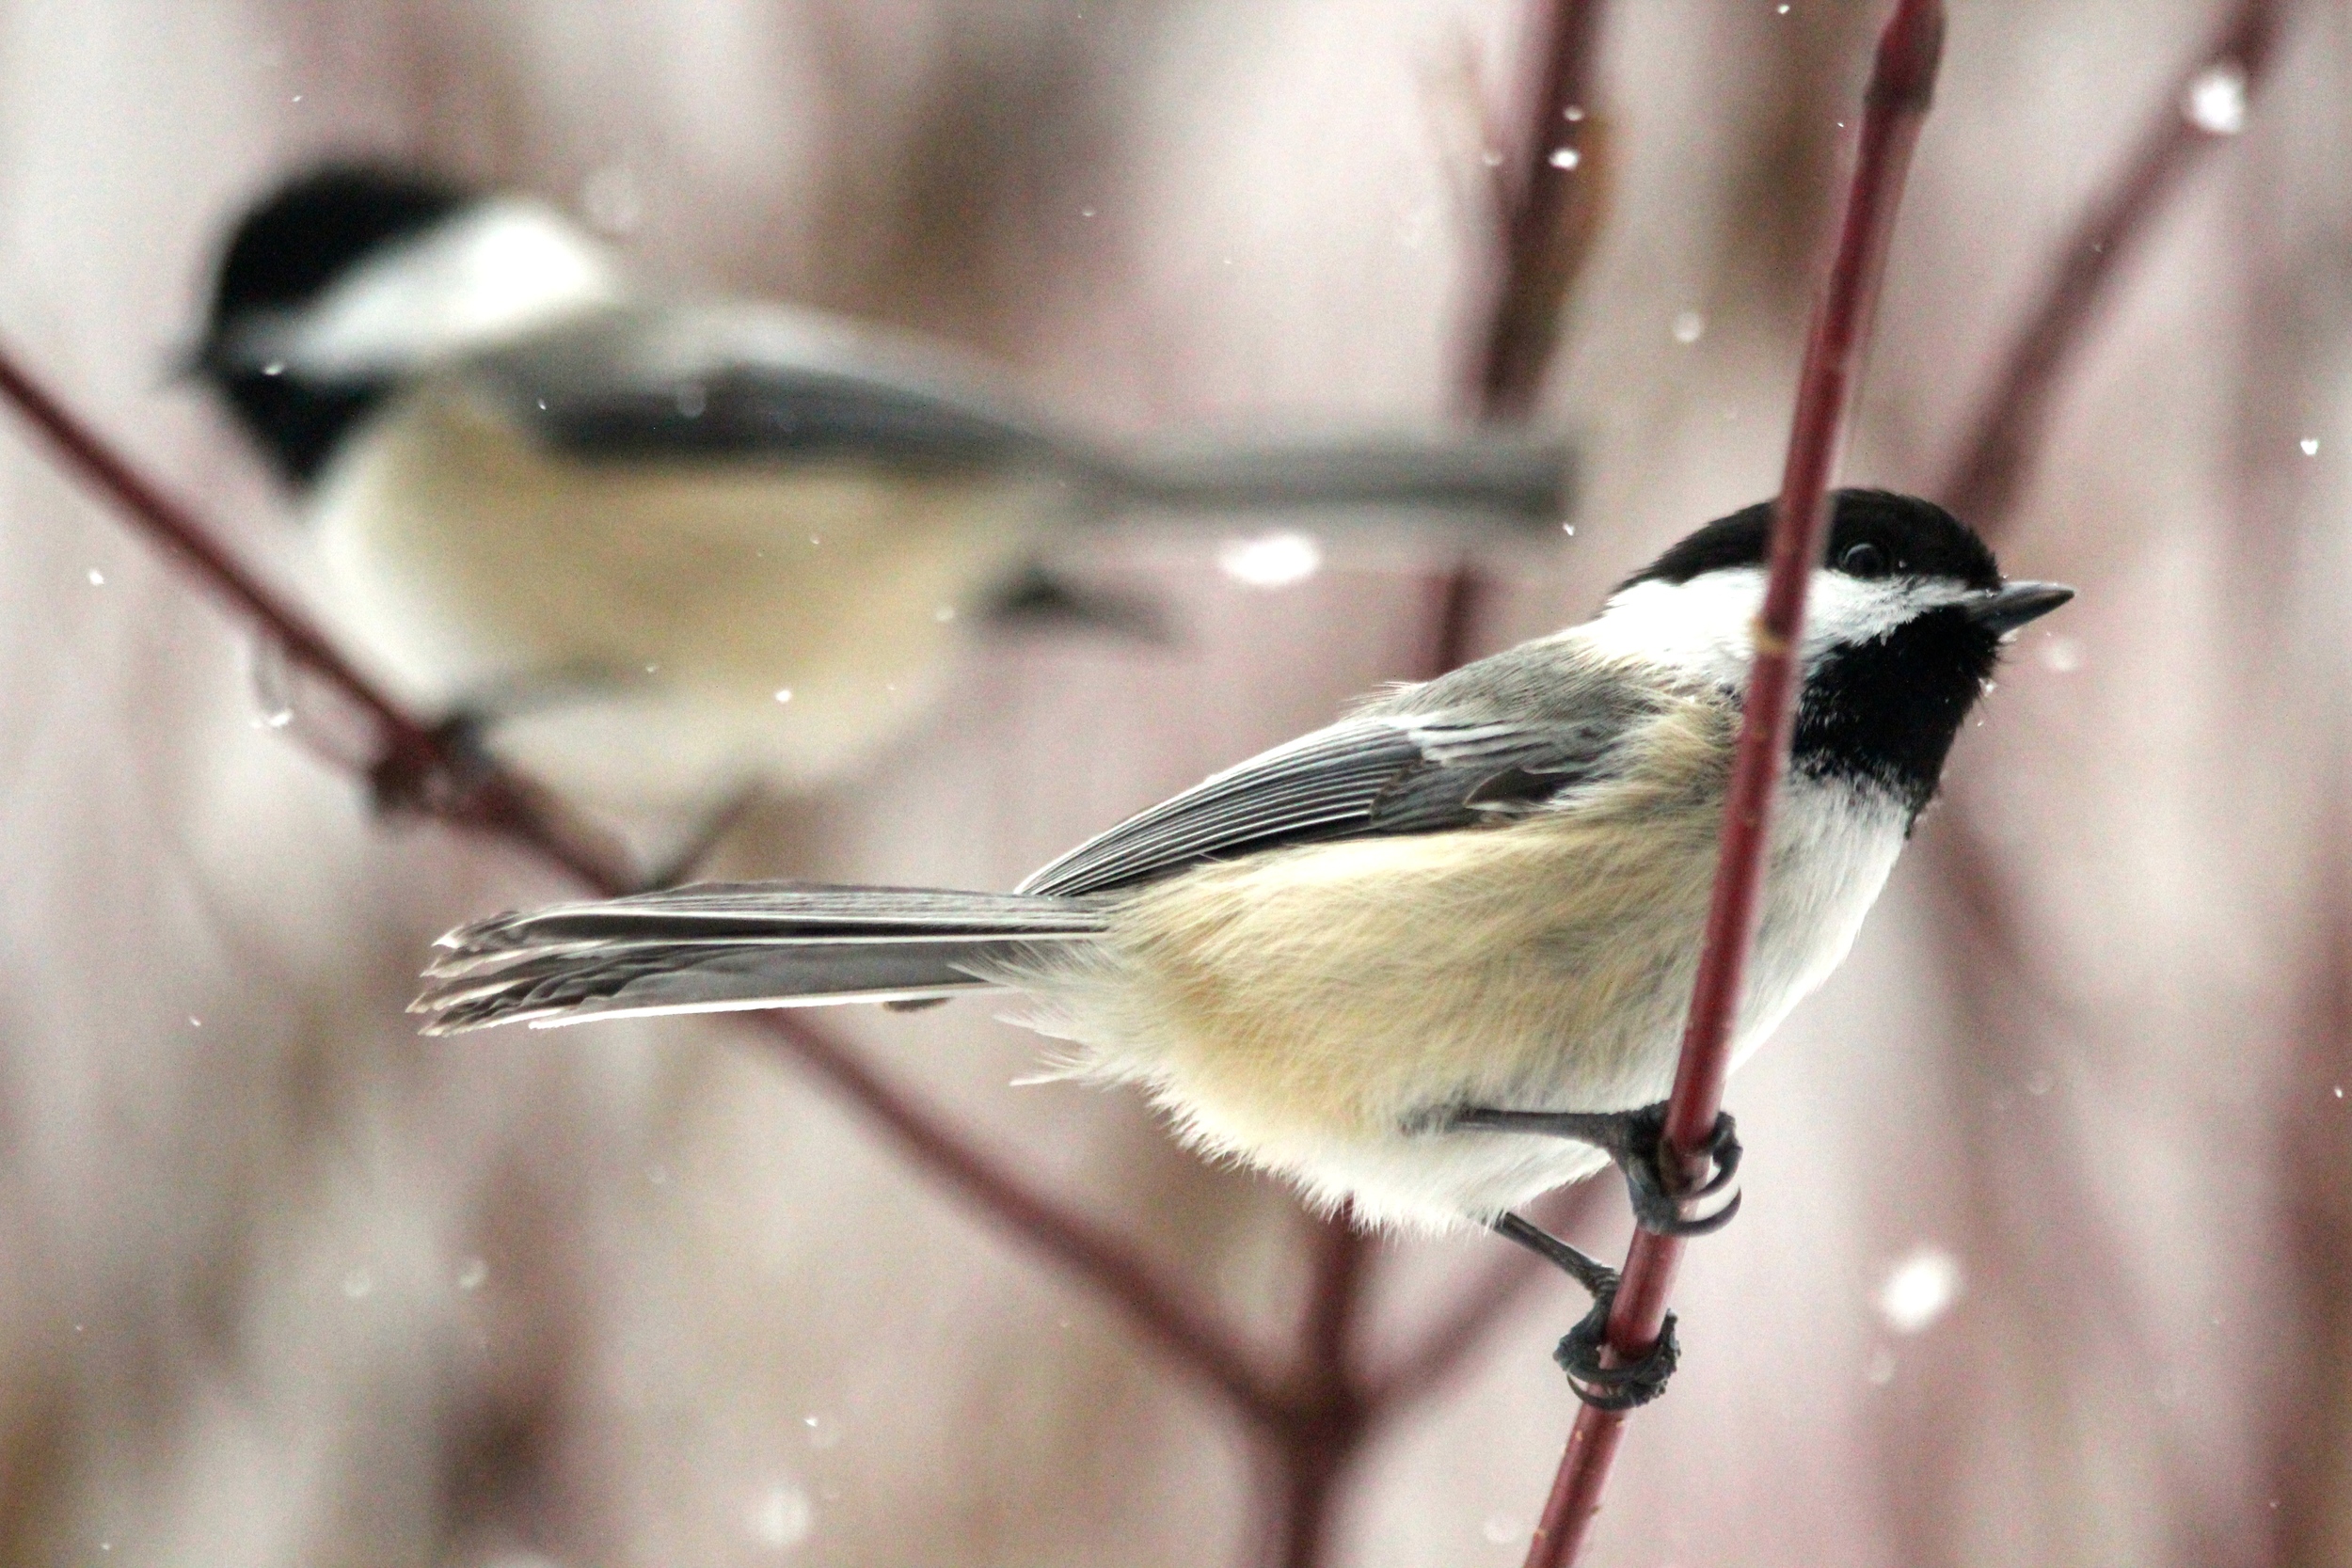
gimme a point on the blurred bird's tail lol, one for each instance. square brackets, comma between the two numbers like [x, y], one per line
[721, 946]
[1517, 479]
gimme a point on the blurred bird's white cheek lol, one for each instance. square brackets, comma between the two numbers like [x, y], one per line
[508, 268]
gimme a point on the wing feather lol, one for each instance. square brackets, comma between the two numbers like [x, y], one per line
[1363, 777]
[752, 383]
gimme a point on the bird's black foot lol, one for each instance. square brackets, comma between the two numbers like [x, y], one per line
[1605, 1386]
[462, 755]
[423, 783]
[1594, 1275]
[1596, 1382]
[1635, 1143]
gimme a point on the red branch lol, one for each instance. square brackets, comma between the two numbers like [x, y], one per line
[1996, 457]
[1164, 1311]
[417, 765]
[484, 796]
[1902, 81]
[1317, 1410]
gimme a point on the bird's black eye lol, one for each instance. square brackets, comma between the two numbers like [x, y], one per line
[1863, 561]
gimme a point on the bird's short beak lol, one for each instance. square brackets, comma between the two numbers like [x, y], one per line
[2012, 604]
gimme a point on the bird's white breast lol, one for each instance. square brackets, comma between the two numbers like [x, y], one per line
[1307, 1011]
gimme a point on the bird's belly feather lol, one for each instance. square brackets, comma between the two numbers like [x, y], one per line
[1306, 1010]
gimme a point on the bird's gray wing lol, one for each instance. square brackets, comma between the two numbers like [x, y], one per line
[751, 382]
[1417, 763]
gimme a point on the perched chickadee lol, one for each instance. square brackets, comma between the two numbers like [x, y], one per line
[688, 544]
[1434, 959]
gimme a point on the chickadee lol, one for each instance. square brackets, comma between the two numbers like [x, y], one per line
[1434, 959]
[686, 541]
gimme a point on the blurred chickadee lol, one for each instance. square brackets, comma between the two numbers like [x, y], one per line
[688, 541]
[1434, 959]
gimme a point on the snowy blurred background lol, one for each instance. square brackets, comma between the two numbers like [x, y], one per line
[2041, 1261]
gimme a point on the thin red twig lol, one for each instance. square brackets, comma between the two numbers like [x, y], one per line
[415, 763]
[496, 801]
[1329, 1415]
[1997, 458]
[1902, 82]
[1161, 1308]
[1318, 1411]
[1547, 210]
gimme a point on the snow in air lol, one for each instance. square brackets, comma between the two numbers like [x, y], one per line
[2217, 99]
[2064, 655]
[2309, 443]
[1271, 560]
[780, 1516]
[1919, 1290]
[1564, 157]
[1690, 326]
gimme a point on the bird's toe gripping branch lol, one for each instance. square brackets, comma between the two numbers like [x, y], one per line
[1635, 1143]
[438, 778]
[1602, 1384]
[1597, 1381]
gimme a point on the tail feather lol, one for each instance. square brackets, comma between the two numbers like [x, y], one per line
[725, 946]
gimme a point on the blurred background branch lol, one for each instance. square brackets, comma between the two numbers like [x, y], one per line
[284, 1285]
[1317, 1413]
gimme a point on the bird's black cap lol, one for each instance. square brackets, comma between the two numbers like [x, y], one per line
[290, 248]
[314, 229]
[1913, 538]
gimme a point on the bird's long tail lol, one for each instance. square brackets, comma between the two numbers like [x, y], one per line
[1515, 479]
[721, 946]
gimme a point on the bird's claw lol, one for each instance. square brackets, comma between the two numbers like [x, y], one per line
[1602, 1386]
[1658, 1207]
[432, 779]
[1635, 1143]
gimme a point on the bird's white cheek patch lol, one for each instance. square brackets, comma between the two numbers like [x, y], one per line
[509, 267]
[1700, 628]
[1843, 611]
[1705, 628]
